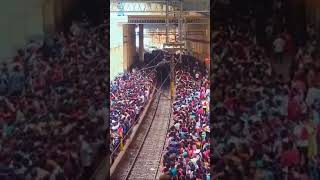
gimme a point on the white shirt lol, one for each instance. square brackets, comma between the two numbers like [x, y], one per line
[177, 125]
[142, 98]
[20, 116]
[41, 173]
[284, 104]
[197, 75]
[147, 93]
[297, 132]
[86, 151]
[279, 44]
[207, 92]
[313, 94]
[55, 172]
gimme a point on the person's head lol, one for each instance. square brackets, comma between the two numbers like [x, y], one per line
[16, 68]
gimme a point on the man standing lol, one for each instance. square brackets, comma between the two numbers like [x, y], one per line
[86, 156]
[278, 48]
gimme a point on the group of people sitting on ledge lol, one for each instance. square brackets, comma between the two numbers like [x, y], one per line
[52, 107]
[129, 94]
[265, 125]
[187, 153]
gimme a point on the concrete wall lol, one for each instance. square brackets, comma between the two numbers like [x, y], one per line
[129, 45]
[116, 61]
[22, 20]
[19, 20]
[199, 43]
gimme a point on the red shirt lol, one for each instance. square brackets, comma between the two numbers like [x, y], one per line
[190, 153]
[290, 158]
[40, 83]
[205, 104]
[289, 46]
[300, 85]
[7, 117]
[76, 114]
[207, 154]
[57, 75]
[294, 109]
[3, 116]
[229, 103]
[240, 52]
[120, 131]
[202, 95]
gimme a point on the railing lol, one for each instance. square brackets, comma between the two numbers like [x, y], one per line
[153, 6]
[150, 6]
[138, 20]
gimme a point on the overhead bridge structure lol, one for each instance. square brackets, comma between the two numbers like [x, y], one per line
[160, 20]
[163, 21]
[158, 6]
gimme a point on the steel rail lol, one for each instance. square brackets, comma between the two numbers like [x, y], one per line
[147, 133]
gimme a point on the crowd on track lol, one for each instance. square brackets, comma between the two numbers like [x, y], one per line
[264, 126]
[129, 93]
[187, 153]
[52, 106]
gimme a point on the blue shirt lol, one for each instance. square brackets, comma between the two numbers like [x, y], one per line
[208, 177]
[3, 81]
[17, 81]
[173, 171]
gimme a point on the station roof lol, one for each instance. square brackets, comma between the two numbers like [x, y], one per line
[198, 6]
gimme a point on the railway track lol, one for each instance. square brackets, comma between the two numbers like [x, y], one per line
[142, 158]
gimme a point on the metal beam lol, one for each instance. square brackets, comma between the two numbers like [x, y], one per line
[163, 33]
[152, 23]
[139, 20]
[155, 11]
[149, 6]
[137, 7]
[142, 1]
[167, 21]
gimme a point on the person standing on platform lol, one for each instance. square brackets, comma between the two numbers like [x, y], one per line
[278, 49]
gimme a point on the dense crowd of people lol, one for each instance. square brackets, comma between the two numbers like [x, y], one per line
[187, 153]
[264, 126]
[129, 93]
[52, 106]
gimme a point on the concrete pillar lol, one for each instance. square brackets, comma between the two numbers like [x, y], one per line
[59, 15]
[198, 43]
[208, 53]
[125, 47]
[141, 44]
[129, 45]
[297, 18]
[313, 13]
[48, 11]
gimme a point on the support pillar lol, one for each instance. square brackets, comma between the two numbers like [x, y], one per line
[141, 43]
[207, 51]
[129, 46]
